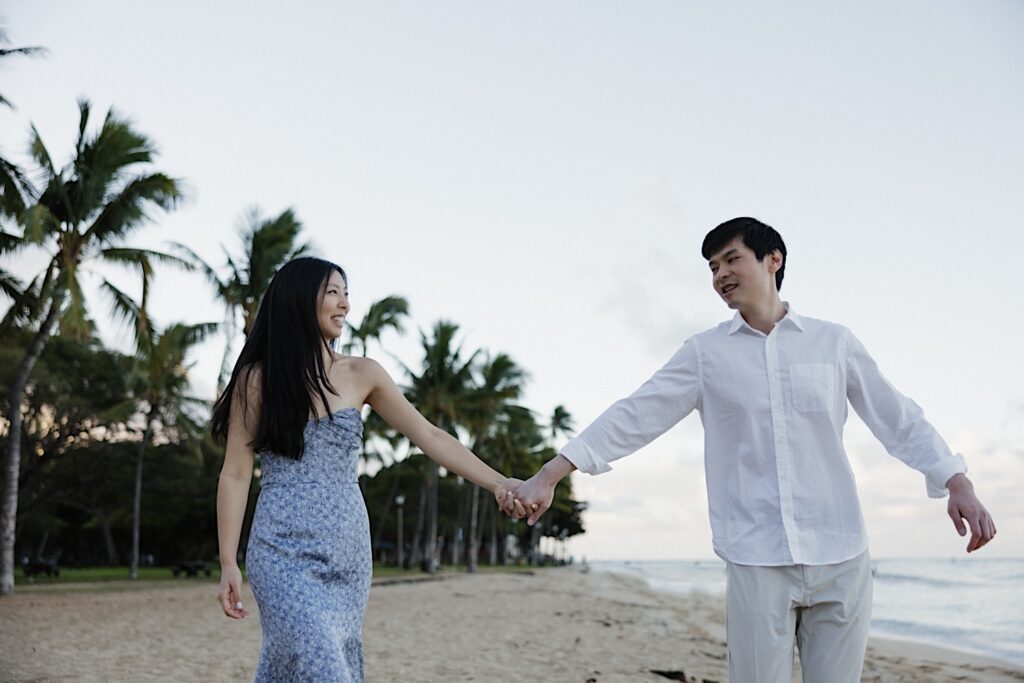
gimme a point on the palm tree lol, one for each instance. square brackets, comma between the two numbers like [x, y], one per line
[84, 212]
[443, 392]
[267, 244]
[165, 382]
[501, 383]
[162, 378]
[383, 314]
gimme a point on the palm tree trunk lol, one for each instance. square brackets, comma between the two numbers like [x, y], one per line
[222, 374]
[430, 542]
[108, 537]
[494, 539]
[417, 547]
[137, 502]
[42, 542]
[12, 454]
[474, 547]
[383, 516]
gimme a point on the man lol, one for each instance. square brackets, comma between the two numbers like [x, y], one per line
[771, 388]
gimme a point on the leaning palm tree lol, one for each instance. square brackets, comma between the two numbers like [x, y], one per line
[162, 385]
[82, 212]
[267, 244]
[442, 392]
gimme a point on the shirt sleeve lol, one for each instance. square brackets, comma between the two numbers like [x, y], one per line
[633, 422]
[897, 421]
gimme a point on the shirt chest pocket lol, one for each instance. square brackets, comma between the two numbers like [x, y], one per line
[813, 386]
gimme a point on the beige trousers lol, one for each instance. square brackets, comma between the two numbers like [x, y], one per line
[824, 610]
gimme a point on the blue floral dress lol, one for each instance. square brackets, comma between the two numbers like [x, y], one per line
[309, 559]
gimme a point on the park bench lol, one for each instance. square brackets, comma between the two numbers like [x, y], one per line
[191, 568]
[40, 565]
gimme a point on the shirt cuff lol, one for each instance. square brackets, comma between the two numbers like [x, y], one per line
[586, 460]
[937, 476]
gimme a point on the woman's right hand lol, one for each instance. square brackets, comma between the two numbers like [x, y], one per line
[230, 592]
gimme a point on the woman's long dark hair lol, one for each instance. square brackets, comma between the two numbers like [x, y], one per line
[287, 348]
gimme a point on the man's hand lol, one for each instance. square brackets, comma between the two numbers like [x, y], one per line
[504, 497]
[964, 505]
[538, 491]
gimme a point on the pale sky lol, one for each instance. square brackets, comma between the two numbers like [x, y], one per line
[543, 174]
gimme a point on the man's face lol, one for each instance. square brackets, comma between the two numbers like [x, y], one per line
[740, 279]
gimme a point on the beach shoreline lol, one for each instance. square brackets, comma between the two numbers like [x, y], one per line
[558, 624]
[707, 577]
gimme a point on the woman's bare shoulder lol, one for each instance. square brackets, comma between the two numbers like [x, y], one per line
[356, 365]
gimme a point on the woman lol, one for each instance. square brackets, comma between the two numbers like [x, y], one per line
[297, 403]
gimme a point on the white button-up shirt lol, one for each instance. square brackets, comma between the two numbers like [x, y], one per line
[780, 487]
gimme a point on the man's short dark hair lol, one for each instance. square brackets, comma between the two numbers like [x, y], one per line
[760, 238]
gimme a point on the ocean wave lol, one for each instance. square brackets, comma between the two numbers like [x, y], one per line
[931, 582]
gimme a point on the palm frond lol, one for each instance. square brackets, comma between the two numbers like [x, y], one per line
[187, 336]
[6, 52]
[10, 286]
[101, 161]
[84, 108]
[196, 262]
[9, 51]
[39, 224]
[9, 242]
[128, 209]
[129, 314]
[130, 256]
[30, 302]
[269, 244]
[39, 153]
[15, 189]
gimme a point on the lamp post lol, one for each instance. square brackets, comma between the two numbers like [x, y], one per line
[400, 504]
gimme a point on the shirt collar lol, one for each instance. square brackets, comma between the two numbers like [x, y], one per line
[791, 319]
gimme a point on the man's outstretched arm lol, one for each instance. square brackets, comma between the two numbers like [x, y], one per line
[900, 425]
[965, 506]
[628, 425]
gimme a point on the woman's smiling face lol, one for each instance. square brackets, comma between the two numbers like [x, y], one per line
[333, 306]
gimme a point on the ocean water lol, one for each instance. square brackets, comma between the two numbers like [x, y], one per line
[970, 604]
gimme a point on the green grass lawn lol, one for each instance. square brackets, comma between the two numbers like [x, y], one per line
[102, 574]
[117, 577]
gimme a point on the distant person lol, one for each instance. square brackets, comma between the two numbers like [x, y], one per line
[297, 403]
[771, 387]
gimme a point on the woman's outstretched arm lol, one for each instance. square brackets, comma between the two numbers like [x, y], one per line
[441, 447]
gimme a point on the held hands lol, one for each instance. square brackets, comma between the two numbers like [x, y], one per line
[505, 498]
[229, 593]
[964, 505]
[534, 496]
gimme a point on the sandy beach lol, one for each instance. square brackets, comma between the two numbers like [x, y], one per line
[552, 625]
